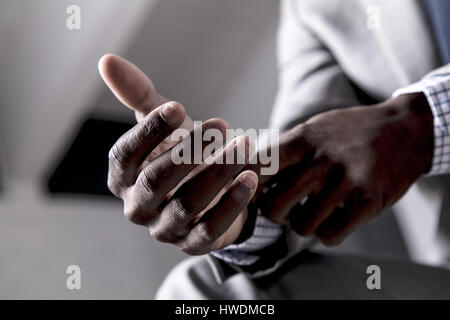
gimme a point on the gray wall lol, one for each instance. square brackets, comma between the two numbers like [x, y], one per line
[216, 57]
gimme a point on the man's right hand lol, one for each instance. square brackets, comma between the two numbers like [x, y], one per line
[135, 90]
[198, 208]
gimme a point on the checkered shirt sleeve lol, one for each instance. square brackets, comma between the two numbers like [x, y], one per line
[264, 234]
[437, 90]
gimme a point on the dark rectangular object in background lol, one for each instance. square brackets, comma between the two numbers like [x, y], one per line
[84, 168]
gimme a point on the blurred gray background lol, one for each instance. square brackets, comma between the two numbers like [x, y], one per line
[217, 57]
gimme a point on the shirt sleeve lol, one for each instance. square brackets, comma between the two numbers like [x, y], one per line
[436, 88]
[265, 233]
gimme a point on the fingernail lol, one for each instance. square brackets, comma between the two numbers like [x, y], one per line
[249, 180]
[170, 114]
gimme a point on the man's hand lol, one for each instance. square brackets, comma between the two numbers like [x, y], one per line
[342, 168]
[198, 208]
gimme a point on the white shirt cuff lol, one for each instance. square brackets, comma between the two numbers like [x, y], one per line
[437, 90]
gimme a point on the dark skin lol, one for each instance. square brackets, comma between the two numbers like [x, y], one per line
[198, 208]
[350, 165]
[338, 170]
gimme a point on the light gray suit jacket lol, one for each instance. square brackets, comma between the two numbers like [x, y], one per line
[334, 54]
[343, 53]
[327, 46]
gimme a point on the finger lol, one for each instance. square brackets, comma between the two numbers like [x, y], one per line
[209, 232]
[197, 193]
[129, 84]
[305, 219]
[132, 148]
[162, 174]
[292, 187]
[344, 221]
[291, 149]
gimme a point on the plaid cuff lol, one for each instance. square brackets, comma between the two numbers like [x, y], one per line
[437, 90]
[264, 234]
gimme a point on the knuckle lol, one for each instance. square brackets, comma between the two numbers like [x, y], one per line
[150, 128]
[189, 250]
[131, 214]
[149, 179]
[162, 235]
[117, 181]
[302, 130]
[114, 186]
[191, 246]
[117, 155]
[134, 214]
[215, 123]
[299, 139]
[181, 207]
[206, 234]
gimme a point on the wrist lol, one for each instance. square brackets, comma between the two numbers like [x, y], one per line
[416, 119]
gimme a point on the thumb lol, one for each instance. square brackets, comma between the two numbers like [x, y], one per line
[129, 84]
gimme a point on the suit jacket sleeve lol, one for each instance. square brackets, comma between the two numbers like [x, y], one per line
[310, 79]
